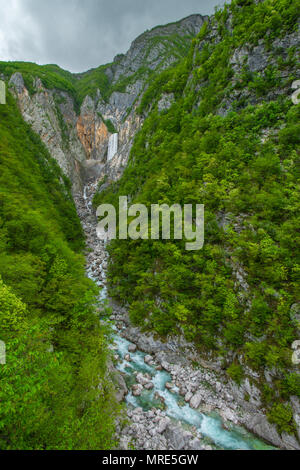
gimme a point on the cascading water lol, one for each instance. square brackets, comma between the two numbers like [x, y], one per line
[209, 426]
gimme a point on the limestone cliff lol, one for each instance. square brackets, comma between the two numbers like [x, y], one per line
[52, 116]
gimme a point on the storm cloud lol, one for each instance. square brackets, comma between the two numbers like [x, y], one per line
[81, 34]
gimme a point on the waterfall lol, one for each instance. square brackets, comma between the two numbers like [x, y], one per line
[112, 146]
[2, 92]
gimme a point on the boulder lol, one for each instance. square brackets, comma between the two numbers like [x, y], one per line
[163, 424]
[149, 386]
[196, 400]
[132, 348]
[137, 390]
[142, 379]
[175, 437]
[169, 386]
[165, 365]
[157, 396]
[188, 397]
[148, 359]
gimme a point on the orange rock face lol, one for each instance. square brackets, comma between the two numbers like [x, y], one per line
[93, 135]
[101, 139]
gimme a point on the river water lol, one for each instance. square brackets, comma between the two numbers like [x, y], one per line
[211, 426]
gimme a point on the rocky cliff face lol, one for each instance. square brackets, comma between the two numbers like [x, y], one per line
[94, 134]
[79, 143]
[258, 63]
[150, 52]
[51, 115]
[155, 49]
[92, 131]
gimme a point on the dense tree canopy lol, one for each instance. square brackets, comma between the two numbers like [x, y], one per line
[54, 388]
[242, 164]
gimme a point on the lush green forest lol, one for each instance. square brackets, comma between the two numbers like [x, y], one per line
[230, 141]
[244, 166]
[54, 389]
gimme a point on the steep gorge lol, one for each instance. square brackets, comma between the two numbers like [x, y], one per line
[166, 77]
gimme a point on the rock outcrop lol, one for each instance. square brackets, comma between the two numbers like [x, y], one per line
[52, 116]
[155, 48]
[92, 131]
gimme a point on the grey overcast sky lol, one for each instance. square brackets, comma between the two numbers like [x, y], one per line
[81, 34]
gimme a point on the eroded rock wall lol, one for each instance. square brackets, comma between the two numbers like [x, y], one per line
[52, 116]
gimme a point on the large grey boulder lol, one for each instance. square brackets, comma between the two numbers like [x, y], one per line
[132, 348]
[176, 437]
[121, 388]
[137, 390]
[142, 379]
[163, 424]
[196, 400]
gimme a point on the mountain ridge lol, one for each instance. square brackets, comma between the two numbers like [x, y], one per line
[76, 125]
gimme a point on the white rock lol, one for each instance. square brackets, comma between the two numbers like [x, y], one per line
[188, 397]
[169, 386]
[196, 400]
[165, 365]
[149, 386]
[163, 424]
[137, 390]
[143, 380]
[148, 359]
